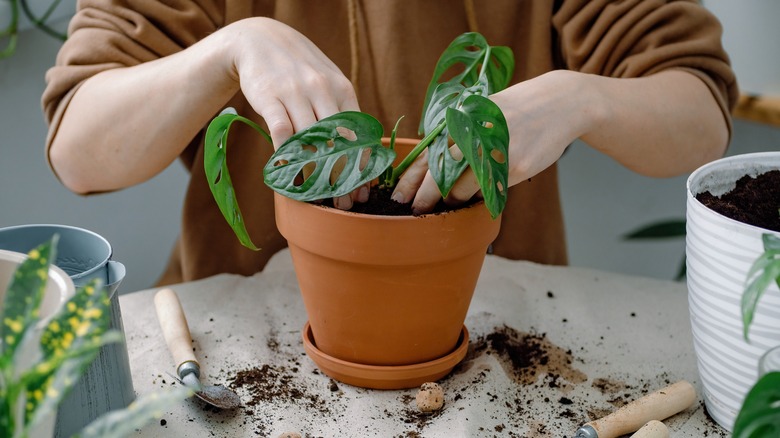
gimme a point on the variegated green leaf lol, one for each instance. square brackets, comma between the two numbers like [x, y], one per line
[764, 271]
[480, 131]
[126, 421]
[23, 298]
[326, 160]
[771, 242]
[69, 343]
[444, 168]
[465, 57]
[215, 165]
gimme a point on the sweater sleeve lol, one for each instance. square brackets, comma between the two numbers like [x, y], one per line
[107, 34]
[636, 38]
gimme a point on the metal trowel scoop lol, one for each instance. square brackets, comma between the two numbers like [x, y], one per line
[177, 336]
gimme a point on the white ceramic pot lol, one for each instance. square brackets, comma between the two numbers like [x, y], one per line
[58, 290]
[719, 253]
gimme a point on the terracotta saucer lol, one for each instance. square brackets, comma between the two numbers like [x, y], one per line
[385, 377]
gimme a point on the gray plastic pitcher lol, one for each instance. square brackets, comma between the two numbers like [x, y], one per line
[107, 384]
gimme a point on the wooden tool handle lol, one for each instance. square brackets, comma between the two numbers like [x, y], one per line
[653, 429]
[658, 405]
[174, 326]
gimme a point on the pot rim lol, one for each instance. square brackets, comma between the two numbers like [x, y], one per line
[51, 229]
[349, 213]
[743, 164]
[756, 159]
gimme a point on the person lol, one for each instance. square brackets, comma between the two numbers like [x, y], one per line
[646, 82]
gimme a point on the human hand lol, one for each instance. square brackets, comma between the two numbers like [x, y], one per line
[543, 116]
[289, 82]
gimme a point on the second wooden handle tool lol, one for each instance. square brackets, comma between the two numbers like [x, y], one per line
[658, 405]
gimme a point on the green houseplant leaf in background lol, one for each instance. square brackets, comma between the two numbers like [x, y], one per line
[338, 154]
[664, 229]
[11, 30]
[69, 342]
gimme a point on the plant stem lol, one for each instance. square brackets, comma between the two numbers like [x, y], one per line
[424, 143]
[10, 31]
[40, 22]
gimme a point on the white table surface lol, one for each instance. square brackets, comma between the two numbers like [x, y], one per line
[623, 336]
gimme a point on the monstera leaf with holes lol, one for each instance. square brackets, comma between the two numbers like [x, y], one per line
[338, 154]
[331, 158]
[68, 343]
[479, 70]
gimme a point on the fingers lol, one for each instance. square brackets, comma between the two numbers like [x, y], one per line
[428, 195]
[293, 112]
[346, 202]
[410, 182]
[418, 186]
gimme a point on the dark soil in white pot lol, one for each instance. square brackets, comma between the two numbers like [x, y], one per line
[754, 201]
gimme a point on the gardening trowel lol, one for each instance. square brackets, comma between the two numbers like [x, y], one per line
[177, 336]
[658, 405]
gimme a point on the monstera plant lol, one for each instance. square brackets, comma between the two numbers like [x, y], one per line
[61, 351]
[342, 152]
[409, 262]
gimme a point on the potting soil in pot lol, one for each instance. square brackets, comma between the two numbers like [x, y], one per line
[380, 203]
[754, 201]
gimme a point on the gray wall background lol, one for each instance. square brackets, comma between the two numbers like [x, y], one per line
[602, 200]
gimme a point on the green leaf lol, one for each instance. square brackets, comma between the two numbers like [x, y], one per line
[444, 168]
[480, 131]
[332, 150]
[69, 343]
[764, 271]
[23, 298]
[144, 409]
[759, 416]
[771, 242]
[466, 56]
[215, 163]
[658, 230]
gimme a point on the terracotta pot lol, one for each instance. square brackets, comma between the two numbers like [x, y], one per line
[719, 253]
[386, 291]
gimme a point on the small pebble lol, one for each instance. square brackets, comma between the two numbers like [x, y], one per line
[290, 435]
[430, 397]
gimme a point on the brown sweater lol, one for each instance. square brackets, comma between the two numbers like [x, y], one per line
[399, 42]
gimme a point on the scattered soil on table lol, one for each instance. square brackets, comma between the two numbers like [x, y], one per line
[379, 203]
[274, 384]
[528, 356]
[754, 201]
[541, 401]
[538, 367]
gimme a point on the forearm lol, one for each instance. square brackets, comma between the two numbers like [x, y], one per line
[661, 125]
[125, 125]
